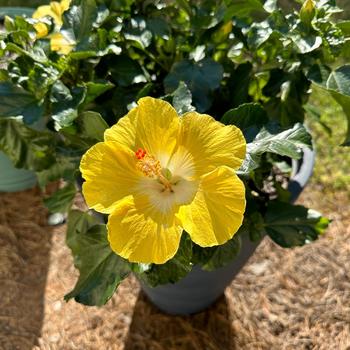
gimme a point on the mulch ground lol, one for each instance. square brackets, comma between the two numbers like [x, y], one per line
[282, 299]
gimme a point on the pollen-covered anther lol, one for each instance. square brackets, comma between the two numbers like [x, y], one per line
[148, 164]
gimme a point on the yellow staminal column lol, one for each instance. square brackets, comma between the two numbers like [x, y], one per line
[152, 168]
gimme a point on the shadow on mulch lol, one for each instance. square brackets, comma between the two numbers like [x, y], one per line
[283, 299]
[25, 243]
[210, 329]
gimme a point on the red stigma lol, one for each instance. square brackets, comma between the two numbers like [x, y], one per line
[140, 153]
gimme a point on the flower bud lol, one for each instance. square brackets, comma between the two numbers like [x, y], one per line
[307, 11]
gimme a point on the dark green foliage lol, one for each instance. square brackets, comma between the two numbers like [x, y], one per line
[249, 117]
[28, 148]
[337, 83]
[271, 139]
[202, 78]
[15, 102]
[173, 270]
[293, 225]
[61, 201]
[65, 103]
[215, 257]
[247, 63]
[100, 269]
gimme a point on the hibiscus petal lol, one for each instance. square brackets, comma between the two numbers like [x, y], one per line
[53, 10]
[110, 173]
[43, 11]
[65, 5]
[153, 125]
[57, 11]
[211, 143]
[124, 131]
[216, 212]
[61, 44]
[41, 30]
[138, 238]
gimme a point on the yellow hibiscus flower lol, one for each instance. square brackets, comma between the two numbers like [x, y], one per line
[157, 174]
[54, 10]
[61, 44]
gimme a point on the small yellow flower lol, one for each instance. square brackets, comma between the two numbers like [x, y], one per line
[41, 30]
[61, 44]
[55, 10]
[157, 174]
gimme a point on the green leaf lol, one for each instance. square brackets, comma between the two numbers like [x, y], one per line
[287, 93]
[238, 84]
[79, 20]
[201, 77]
[61, 201]
[145, 91]
[215, 257]
[319, 75]
[20, 28]
[63, 168]
[249, 117]
[207, 15]
[243, 8]
[118, 5]
[92, 125]
[65, 103]
[293, 225]
[182, 99]
[315, 114]
[306, 43]
[15, 101]
[101, 270]
[184, 5]
[96, 45]
[245, 116]
[173, 270]
[339, 80]
[253, 224]
[270, 139]
[337, 83]
[96, 89]
[27, 148]
[344, 27]
[36, 53]
[139, 32]
[257, 84]
[259, 33]
[344, 102]
[159, 27]
[126, 71]
[40, 79]
[286, 143]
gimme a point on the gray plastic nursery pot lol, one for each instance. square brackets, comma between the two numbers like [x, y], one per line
[13, 179]
[199, 289]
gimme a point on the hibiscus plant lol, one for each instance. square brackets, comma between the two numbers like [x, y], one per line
[182, 118]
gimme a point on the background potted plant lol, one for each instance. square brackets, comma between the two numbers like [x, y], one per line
[12, 179]
[246, 64]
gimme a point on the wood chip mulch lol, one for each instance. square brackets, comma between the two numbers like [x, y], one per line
[282, 299]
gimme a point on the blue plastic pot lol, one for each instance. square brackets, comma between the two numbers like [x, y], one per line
[199, 289]
[13, 179]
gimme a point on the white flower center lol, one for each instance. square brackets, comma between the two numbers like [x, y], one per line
[168, 185]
